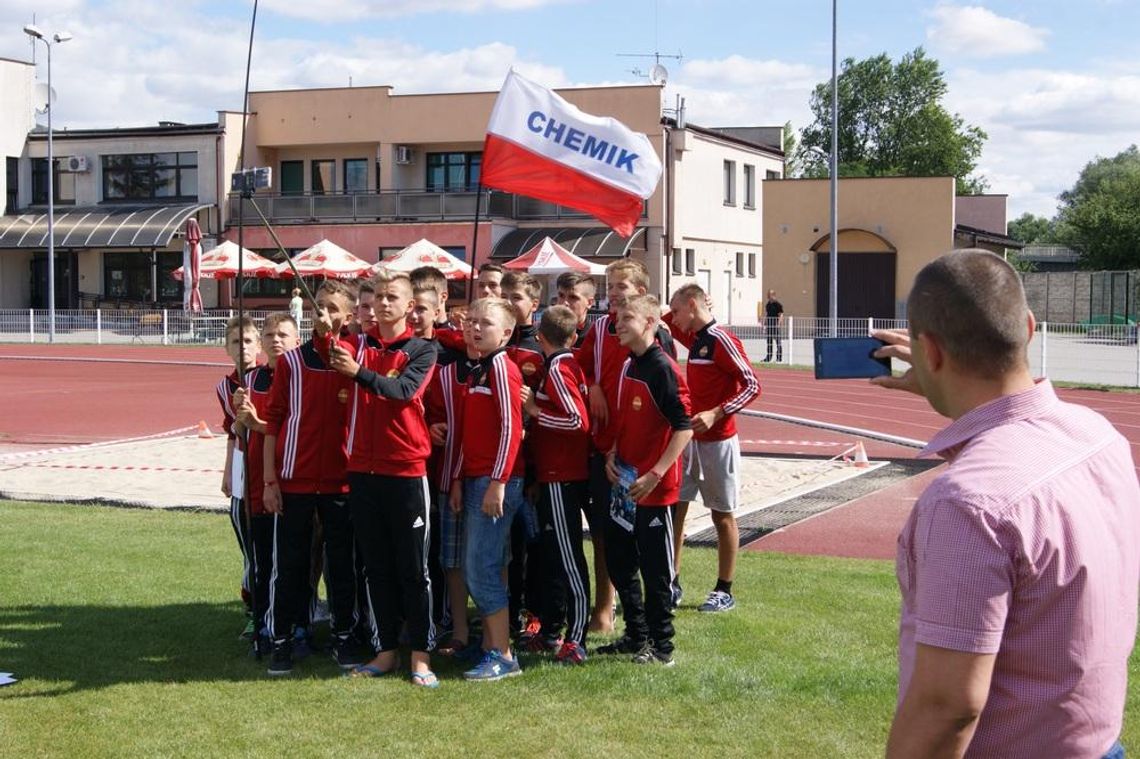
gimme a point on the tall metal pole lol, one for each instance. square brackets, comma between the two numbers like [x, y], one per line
[833, 300]
[51, 209]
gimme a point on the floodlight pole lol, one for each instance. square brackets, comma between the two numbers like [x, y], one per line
[833, 296]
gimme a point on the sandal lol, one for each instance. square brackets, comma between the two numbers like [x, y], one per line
[370, 671]
[425, 679]
[451, 647]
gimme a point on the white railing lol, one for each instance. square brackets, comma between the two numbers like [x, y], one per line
[1087, 353]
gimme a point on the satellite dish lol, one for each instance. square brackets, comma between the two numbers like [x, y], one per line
[42, 98]
[658, 74]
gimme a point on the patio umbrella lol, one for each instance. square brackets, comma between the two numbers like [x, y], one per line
[325, 259]
[222, 263]
[426, 253]
[192, 262]
[548, 257]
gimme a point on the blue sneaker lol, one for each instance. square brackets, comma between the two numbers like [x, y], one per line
[302, 646]
[493, 667]
[717, 601]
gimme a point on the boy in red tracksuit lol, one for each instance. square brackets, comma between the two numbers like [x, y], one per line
[722, 383]
[484, 487]
[305, 462]
[652, 419]
[242, 341]
[278, 336]
[388, 448]
[560, 445]
[602, 356]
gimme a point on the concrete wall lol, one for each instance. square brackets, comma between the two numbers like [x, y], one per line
[17, 114]
[914, 215]
[1062, 297]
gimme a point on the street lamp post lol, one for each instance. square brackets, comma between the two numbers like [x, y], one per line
[36, 34]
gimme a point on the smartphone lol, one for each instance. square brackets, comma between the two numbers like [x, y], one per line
[849, 358]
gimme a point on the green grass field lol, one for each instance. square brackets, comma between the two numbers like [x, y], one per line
[122, 627]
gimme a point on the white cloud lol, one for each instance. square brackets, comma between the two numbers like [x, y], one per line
[977, 32]
[739, 91]
[341, 10]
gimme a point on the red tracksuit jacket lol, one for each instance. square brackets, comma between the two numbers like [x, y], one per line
[560, 435]
[258, 384]
[225, 389]
[492, 419]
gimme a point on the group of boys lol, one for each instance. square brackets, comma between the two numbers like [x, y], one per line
[394, 453]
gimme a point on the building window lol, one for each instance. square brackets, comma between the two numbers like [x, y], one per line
[13, 186]
[151, 176]
[749, 186]
[453, 172]
[730, 183]
[739, 264]
[130, 276]
[323, 177]
[677, 261]
[292, 177]
[267, 287]
[356, 175]
[770, 174]
[752, 265]
[690, 261]
[63, 183]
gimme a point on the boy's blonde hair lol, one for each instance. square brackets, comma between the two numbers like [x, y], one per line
[427, 290]
[646, 305]
[559, 325]
[278, 317]
[383, 278]
[521, 280]
[244, 323]
[494, 306]
[627, 268]
[339, 287]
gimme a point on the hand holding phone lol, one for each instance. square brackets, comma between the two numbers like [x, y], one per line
[849, 358]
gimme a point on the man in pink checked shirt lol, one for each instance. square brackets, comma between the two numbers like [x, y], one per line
[1019, 566]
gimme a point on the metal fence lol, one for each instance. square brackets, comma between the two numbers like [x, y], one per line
[1107, 354]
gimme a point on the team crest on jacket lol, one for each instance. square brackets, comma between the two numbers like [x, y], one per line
[528, 368]
[636, 404]
[393, 372]
[342, 396]
[704, 351]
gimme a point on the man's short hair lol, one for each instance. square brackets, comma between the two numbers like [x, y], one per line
[429, 276]
[646, 305]
[627, 268]
[338, 287]
[426, 290]
[296, 292]
[244, 323]
[383, 278]
[365, 286]
[498, 308]
[521, 280]
[974, 303]
[568, 280]
[558, 325]
[278, 317]
[489, 266]
[691, 290]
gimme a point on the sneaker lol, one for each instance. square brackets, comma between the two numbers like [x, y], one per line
[281, 661]
[541, 644]
[493, 667]
[471, 653]
[623, 645]
[718, 600]
[676, 592]
[650, 655]
[302, 645]
[346, 654]
[571, 653]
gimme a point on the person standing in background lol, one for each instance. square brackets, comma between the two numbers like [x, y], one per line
[773, 323]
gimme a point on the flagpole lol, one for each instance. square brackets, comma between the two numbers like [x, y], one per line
[474, 243]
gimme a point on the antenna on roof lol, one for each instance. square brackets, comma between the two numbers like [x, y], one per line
[657, 73]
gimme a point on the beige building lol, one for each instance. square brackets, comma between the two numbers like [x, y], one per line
[889, 228]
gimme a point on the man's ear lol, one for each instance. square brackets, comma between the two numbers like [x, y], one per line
[1031, 326]
[932, 353]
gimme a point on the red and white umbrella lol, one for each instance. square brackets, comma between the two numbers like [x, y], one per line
[192, 262]
[426, 253]
[325, 259]
[222, 263]
[548, 257]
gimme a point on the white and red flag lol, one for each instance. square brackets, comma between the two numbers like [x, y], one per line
[543, 147]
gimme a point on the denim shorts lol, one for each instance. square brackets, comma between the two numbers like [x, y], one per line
[487, 542]
[450, 535]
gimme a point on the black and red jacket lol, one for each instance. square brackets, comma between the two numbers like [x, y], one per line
[652, 402]
[258, 383]
[719, 374]
[491, 419]
[225, 389]
[524, 350]
[560, 435]
[602, 357]
[445, 400]
[387, 432]
[307, 412]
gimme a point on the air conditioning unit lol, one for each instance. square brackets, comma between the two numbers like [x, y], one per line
[77, 164]
[404, 154]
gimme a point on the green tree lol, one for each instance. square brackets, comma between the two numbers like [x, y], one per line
[793, 160]
[892, 123]
[1100, 215]
[1029, 228]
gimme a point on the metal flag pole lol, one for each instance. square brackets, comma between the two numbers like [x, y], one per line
[474, 243]
[833, 296]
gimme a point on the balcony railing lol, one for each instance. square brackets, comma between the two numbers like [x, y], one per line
[395, 206]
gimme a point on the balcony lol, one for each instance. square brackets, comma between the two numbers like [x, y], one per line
[390, 206]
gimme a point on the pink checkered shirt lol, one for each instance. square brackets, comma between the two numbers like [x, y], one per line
[1028, 546]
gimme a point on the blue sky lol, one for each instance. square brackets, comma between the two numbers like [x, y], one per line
[1053, 83]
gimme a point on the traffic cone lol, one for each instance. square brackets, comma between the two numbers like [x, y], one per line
[861, 456]
[204, 431]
